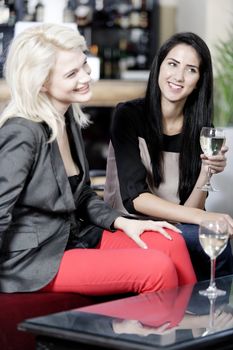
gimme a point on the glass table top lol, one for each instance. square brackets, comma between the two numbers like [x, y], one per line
[178, 318]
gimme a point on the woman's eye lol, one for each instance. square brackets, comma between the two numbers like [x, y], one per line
[192, 70]
[172, 64]
[70, 75]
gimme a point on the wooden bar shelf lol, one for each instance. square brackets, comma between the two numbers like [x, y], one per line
[106, 93]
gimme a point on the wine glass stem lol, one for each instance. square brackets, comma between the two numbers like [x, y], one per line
[209, 174]
[212, 273]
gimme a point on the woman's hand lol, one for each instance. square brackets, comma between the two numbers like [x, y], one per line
[134, 228]
[136, 327]
[223, 319]
[217, 163]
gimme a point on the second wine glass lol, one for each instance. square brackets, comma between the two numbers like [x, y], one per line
[211, 141]
[213, 236]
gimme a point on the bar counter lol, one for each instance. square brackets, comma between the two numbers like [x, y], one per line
[106, 93]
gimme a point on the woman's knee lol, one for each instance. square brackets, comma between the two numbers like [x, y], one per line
[177, 237]
[179, 246]
[159, 273]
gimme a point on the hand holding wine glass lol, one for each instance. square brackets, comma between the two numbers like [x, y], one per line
[213, 236]
[211, 141]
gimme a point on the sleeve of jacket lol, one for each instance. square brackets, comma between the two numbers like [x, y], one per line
[17, 147]
[93, 209]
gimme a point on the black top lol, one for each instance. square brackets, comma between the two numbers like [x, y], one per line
[74, 181]
[128, 127]
[93, 233]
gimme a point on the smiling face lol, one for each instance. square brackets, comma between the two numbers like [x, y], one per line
[179, 73]
[69, 81]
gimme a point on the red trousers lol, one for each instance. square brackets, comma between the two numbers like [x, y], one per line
[118, 265]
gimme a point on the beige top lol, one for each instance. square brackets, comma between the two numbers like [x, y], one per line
[169, 187]
[167, 190]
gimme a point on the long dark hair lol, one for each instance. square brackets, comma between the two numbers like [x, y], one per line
[198, 112]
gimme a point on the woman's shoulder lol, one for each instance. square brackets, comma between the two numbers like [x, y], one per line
[130, 111]
[136, 105]
[26, 127]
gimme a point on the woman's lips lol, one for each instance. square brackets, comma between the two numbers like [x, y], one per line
[84, 89]
[175, 86]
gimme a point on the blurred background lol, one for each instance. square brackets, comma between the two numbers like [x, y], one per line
[124, 34]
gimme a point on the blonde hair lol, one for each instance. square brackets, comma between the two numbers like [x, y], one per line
[30, 59]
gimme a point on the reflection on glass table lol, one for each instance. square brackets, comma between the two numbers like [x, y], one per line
[174, 318]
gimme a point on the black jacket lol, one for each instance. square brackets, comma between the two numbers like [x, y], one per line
[36, 204]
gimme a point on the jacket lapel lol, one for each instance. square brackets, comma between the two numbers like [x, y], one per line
[79, 153]
[61, 177]
[58, 166]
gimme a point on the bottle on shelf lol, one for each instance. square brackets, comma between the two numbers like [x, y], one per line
[136, 4]
[94, 62]
[4, 12]
[39, 12]
[68, 13]
[12, 12]
[20, 7]
[107, 62]
[115, 63]
[123, 59]
[84, 13]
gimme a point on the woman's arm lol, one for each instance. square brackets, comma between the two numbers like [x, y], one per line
[16, 158]
[126, 130]
[94, 210]
[152, 205]
[197, 197]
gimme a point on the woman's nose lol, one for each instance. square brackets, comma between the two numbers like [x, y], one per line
[84, 76]
[179, 75]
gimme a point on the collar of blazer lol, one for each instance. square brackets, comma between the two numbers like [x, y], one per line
[61, 177]
[57, 163]
[58, 166]
[78, 150]
[59, 171]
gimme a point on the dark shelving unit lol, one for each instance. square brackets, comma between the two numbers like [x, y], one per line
[124, 34]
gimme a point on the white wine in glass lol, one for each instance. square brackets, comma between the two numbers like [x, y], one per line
[213, 236]
[211, 141]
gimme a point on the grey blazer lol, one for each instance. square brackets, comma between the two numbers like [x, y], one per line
[36, 204]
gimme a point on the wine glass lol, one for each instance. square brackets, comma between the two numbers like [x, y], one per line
[211, 140]
[213, 237]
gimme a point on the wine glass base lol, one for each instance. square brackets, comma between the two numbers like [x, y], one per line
[208, 332]
[212, 292]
